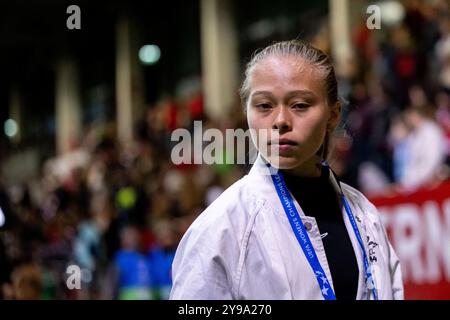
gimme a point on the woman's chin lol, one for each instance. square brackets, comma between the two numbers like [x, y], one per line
[284, 163]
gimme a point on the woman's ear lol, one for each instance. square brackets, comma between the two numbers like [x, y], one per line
[335, 116]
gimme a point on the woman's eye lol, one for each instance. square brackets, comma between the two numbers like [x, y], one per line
[264, 106]
[300, 106]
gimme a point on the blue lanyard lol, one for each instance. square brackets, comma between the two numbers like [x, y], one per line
[302, 236]
[305, 243]
[369, 276]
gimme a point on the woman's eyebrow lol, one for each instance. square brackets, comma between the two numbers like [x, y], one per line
[262, 93]
[303, 93]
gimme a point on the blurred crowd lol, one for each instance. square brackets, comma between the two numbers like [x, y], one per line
[115, 211]
[395, 137]
[118, 211]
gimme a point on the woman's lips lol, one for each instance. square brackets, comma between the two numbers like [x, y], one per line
[286, 148]
[283, 142]
[284, 145]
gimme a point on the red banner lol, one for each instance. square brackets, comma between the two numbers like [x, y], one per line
[418, 226]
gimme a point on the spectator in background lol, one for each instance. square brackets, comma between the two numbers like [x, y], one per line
[131, 268]
[443, 116]
[403, 61]
[426, 153]
[160, 258]
[26, 283]
[399, 140]
[442, 52]
[195, 107]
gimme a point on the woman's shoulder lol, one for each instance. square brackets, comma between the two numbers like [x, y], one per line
[366, 212]
[208, 257]
[360, 201]
[231, 212]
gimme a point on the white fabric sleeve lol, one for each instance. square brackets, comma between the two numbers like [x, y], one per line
[396, 275]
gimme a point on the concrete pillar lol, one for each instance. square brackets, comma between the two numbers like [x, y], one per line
[220, 64]
[15, 112]
[340, 35]
[68, 105]
[129, 93]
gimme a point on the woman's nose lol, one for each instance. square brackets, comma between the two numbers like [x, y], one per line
[282, 122]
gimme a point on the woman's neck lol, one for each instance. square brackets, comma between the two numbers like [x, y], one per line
[311, 169]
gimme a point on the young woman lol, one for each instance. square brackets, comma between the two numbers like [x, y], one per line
[288, 229]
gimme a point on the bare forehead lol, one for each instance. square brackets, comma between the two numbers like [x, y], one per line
[292, 64]
[287, 73]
